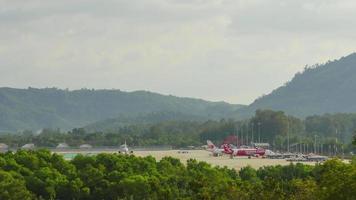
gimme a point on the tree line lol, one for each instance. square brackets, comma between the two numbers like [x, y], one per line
[269, 126]
[43, 175]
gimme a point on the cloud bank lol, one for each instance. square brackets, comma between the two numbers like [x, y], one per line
[231, 50]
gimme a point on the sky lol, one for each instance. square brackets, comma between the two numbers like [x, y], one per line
[219, 50]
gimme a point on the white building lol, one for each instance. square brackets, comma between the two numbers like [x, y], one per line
[62, 146]
[85, 146]
[28, 146]
[3, 147]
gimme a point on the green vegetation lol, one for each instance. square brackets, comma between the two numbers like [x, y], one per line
[273, 126]
[114, 124]
[269, 126]
[319, 89]
[327, 88]
[35, 109]
[42, 175]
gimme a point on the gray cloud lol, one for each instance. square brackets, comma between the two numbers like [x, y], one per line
[215, 49]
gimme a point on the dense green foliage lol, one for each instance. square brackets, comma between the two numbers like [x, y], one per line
[320, 89]
[148, 119]
[327, 88]
[272, 126]
[42, 175]
[54, 108]
[328, 128]
[269, 126]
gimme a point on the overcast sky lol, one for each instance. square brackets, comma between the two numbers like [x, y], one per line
[221, 50]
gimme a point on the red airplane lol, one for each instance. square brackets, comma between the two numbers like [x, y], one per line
[243, 151]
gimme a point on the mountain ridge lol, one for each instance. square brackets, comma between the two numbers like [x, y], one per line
[35, 108]
[319, 89]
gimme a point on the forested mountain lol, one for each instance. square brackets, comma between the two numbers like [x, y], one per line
[327, 88]
[319, 89]
[54, 108]
[114, 124]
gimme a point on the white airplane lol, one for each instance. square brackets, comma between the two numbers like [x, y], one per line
[316, 158]
[125, 149]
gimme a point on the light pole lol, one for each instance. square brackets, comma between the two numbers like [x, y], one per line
[288, 135]
[246, 134]
[237, 135]
[242, 134]
[252, 139]
[259, 132]
[314, 144]
[336, 141]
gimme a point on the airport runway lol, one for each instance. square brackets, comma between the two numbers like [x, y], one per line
[200, 155]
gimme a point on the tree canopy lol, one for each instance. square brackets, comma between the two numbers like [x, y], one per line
[267, 125]
[43, 175]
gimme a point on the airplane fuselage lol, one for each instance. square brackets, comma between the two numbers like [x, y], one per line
[248, 152]
[243, 151]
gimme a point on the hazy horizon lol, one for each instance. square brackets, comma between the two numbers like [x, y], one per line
[217, 50]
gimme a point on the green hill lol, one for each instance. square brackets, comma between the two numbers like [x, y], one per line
[327, 88]
[114, 124]
[54, 108]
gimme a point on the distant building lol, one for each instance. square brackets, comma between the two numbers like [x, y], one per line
[28, 146]
[62, 146]
[3, 147]
[85, 146]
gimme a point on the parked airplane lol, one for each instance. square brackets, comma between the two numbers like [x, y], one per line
[244, 151]
[281, 155]
[124, 149]
[316, 158]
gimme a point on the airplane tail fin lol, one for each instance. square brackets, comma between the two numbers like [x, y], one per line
[227, 149]
[210, 144]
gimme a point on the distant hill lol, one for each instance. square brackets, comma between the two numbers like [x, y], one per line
[327, 88]
[54, 108]
[142, 119]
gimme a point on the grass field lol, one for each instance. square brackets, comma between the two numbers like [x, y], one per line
[200, 155]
